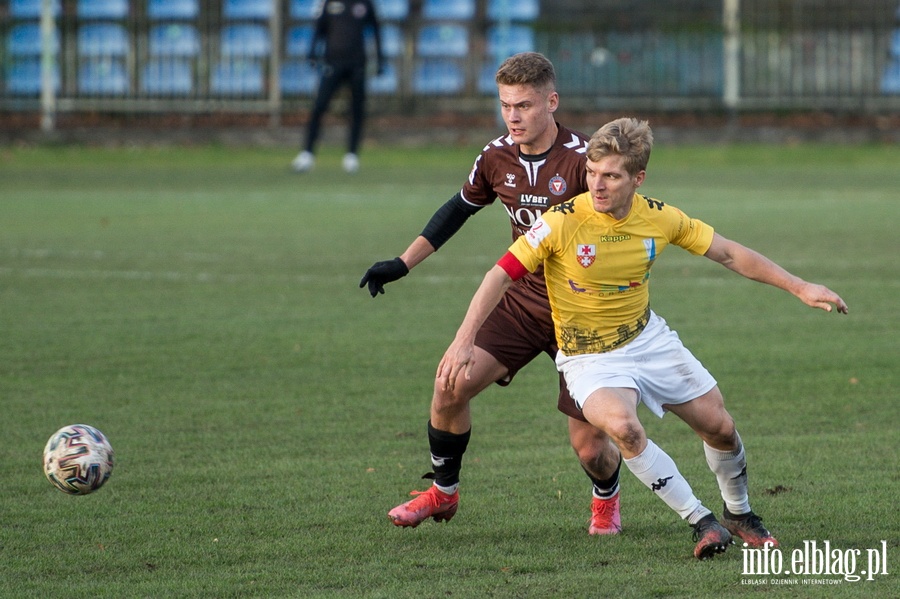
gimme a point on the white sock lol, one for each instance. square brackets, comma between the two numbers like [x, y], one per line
[658, 471]
[730, 468]
[447, 490]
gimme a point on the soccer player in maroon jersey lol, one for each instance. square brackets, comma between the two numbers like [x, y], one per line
[536, 165]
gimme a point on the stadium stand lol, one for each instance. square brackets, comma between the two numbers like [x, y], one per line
[298, 77]
[102, 9]
[173, 10]
[392, 10]
[25, 40]
[448, 10]
[443, 40]
[168, 77]
[103, 78]
[304, 10]
[174, 39]
[237, 78]
[31, 9]
[513, 10]
[24, 77]
[247, 9]
[438, 76]
[506, 41]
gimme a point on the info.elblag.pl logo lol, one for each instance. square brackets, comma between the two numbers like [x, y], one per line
[814, 563]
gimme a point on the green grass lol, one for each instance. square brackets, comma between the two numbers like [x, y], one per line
[200, 306]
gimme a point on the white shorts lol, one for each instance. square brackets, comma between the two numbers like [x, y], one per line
[656, 364]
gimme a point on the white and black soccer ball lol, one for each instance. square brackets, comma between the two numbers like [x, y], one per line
[78, 459]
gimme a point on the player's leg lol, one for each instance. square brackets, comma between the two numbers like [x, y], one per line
[448, 437]
[329, 83]
[726, 458]
[615, 411]
[601, 461]
[357, 117]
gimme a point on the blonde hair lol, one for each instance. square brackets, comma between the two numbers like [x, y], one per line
[626, 137]
[528, 68]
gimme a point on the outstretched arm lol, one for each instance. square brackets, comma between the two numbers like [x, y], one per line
[755, 266]
[459, 356]
[448, 219]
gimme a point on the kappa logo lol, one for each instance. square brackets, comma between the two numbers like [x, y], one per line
[558, 185]
[586, 254]
[742, 474]
[660, 483]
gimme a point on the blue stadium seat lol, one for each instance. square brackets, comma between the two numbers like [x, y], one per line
[246, 41]
[25, 40]
[392, 10]
[158, 10]
[168, 77]
[443, 40]
[386, 83]
[23, 77]
[299, 41]
[890, 81]
[102, 9]
[438, 76]
[456, 10]
[304, 10]
[103, 78]
[237, 78]
[103, 39]
[506, 41]
[487, 78]
[174, 39]
[392, 42]
[513, 10]
[298, 77]
[31, 9]
[247, 9]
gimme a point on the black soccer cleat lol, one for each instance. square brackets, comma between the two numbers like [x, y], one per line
[711, 537]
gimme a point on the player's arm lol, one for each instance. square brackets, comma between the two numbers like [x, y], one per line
[459, 357]
[753, 265]
[448, 219]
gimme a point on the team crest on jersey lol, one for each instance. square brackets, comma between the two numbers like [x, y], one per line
[587, 254]
[558, 185]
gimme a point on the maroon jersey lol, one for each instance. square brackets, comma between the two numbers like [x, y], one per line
[528, 185]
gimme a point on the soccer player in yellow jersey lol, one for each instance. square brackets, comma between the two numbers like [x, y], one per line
[614, 351]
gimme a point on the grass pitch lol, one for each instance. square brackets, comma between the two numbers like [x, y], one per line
[200, 306]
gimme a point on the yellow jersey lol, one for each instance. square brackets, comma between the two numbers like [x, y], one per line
[598, 268]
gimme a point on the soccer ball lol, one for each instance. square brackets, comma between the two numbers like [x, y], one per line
[78, 459]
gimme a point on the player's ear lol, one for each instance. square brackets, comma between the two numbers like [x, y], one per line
[639, 178]
[553, 101]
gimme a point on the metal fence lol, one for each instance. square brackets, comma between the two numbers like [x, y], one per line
[250, 55]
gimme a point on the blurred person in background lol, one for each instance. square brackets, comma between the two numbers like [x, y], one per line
[339, 50]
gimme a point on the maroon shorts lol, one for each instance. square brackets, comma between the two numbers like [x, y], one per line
[519, 329]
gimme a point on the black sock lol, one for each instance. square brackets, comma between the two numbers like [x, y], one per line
[447, 450]
[605, 489]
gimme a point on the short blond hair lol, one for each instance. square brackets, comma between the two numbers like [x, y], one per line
[626, 137]
[528, 68]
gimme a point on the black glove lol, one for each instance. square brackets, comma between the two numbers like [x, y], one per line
[383, 272]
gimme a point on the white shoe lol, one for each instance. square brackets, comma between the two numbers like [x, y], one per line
[351, 163]
[304, 162]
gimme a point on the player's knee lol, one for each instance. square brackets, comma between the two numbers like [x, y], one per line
[628, 434]
[446, 400]
[722, 433]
